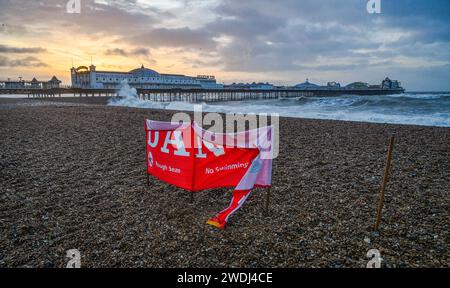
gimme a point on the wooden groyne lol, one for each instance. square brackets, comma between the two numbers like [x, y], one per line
[199, 95]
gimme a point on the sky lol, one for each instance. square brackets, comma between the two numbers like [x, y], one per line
[282, 42]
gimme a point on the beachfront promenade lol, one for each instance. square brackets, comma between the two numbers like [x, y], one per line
[199, 95]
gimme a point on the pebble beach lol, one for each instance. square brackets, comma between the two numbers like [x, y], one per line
[72, 176]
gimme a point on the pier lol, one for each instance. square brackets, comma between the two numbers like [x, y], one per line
[216, 95]
[199, 95]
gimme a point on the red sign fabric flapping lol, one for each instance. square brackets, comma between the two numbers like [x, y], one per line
[191, 158]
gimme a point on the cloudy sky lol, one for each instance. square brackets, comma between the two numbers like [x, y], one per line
[283, 42]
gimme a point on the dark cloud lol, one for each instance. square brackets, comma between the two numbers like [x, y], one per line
[177, 37]
[29, 61]
[7, 29]
[126, 53]
[21, 50]
[116, 52]
[140, 52]
[315, 36]
[112, 17]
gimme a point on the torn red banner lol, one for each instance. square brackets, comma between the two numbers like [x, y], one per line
[194, 159]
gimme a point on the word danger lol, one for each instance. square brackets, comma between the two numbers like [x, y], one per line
[179, 145]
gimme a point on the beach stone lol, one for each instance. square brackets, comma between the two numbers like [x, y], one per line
[73, 176]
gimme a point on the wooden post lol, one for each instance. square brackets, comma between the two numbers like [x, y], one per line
[268, 199]
[146, 157]
[383, 184]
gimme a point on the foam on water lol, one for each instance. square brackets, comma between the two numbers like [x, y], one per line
[429, 109]
[13, 96]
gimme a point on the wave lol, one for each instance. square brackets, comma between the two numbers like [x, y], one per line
[429, 109]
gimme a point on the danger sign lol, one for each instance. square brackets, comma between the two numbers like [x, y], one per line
[194, 159]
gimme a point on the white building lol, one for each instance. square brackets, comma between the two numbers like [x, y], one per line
[144, 78]
[33, 84]
[390, 84]
[307, 85]
[333, 84]
[53, 83]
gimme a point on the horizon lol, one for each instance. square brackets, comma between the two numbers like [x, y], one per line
[282, 43]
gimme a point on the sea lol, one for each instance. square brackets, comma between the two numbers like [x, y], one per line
[411, 108]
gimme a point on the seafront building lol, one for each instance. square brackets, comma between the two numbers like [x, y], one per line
[333, 84]
[33, 84]
[358, 85]
[385, 84]
[390, 84]
[306, 85]
[143, 78]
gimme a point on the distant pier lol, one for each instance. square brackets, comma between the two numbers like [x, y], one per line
[200, 95]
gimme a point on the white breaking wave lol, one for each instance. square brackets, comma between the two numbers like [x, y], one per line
[413, 109]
